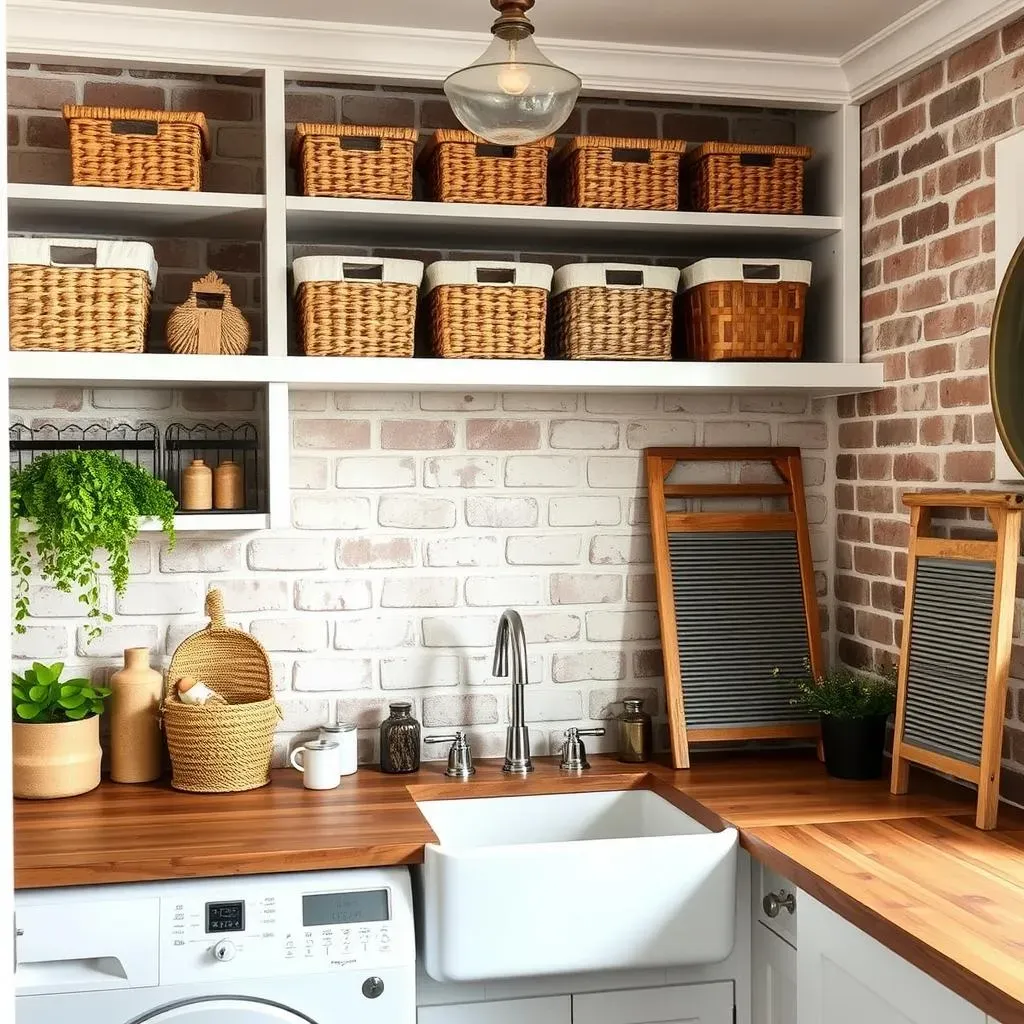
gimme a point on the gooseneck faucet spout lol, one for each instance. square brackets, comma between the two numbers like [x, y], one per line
[510, 660]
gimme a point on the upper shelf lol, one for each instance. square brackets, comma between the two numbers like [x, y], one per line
[474, 226]
[343, 374]
[75, 209]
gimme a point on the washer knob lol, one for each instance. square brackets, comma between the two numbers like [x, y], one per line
[224, 950]
[373, 987]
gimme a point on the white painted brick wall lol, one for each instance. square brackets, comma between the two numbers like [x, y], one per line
[417, 519]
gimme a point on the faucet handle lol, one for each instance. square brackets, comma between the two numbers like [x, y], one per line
[574, 754]
[460, 756]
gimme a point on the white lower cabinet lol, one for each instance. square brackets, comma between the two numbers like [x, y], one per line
[773, 977]
[678, 1004]
[845, 977]
[546, 1010]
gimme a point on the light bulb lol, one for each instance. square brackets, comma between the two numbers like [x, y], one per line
[513, 79]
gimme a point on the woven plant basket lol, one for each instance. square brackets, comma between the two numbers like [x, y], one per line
[221, 748]
[620, 173]
[356, 306]
[73, 295]
[124, 147]
[730, 177]
[745, 310]
[354, 161]
[460, 167]
[613, 311]
[487, 310]
[208, 322]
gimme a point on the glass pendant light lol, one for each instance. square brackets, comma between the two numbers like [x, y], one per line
[512, 94]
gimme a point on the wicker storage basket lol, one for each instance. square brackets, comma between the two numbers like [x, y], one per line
[460, 167]
[613, 311]
[356, 306]
[122, 147]
[729, 177]
[208, 322]
[221, 748]
[486, 309]
[73, 295]
[620, 173]
[737, 309]
[354, 161]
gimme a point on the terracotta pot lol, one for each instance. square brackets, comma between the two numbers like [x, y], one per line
[54, 759]
[136, 746]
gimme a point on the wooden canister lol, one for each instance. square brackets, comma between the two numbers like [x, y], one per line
[197, 486]
[136, 746]
[228, 489]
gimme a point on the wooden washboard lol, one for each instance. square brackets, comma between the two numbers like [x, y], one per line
[955, 653]
[736, 598]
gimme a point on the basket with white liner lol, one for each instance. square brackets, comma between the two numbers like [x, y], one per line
[356, 305]
[745, 309]
[487, 309]
[79, 295]
[613, 311]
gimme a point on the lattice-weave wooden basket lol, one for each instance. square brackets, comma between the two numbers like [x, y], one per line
[354, 161]
[221, 748]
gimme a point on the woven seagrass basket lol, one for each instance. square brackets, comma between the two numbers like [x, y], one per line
[732, 177]
[221, 748]
[208, 322]
[620, 173]
[124, 147]
[354, 161]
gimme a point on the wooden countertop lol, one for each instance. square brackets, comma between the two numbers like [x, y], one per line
[910, 871]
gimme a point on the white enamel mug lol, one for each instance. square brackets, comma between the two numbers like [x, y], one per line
[319, 763]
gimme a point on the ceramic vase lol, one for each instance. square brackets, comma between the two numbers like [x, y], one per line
[136, 744]
[197, 486]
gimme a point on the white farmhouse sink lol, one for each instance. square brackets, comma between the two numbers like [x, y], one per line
[534, 885]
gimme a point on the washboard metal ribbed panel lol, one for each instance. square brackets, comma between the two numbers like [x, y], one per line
[947, 669]
[736, 596]
[739, 614]
[955, 653]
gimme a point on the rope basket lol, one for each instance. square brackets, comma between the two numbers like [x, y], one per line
[730, 177]
[460, 167]
[354, 161]
[125, 147]
[208, 322]
[221, 748]
[620, 173]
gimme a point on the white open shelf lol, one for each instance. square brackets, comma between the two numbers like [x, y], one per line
[192, 522]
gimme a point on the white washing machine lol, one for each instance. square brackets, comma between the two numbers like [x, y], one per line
[313, 948]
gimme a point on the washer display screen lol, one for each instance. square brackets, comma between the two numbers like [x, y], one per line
[327, 908]
[225, 917]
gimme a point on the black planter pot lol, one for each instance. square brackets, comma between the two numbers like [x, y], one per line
[853, 746]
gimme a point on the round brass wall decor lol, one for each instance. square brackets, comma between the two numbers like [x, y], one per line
[1006, 360]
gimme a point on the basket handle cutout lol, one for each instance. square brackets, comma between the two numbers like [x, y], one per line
[210, 300]
[756, 160]
[125, 127]
[364, 143]
[492, 149]
[495, 275]
[761, 272]
[215, 608]
[624, 278]
[73, 255]
[626, 155]
[363, 271]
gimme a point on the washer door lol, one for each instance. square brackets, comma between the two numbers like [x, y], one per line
[217, 1010]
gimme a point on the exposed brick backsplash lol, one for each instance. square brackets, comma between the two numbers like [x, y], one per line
[928, 273]
[417, 519]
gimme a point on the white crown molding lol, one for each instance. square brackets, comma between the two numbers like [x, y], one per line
[924, 35]
[121, 34]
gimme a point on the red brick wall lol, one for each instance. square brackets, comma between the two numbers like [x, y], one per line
[928, 212]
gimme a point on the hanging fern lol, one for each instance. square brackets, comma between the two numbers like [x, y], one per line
[81, 503]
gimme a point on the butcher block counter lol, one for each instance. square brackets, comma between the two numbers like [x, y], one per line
[910, 871]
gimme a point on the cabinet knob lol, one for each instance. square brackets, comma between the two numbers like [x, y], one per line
[777, 901]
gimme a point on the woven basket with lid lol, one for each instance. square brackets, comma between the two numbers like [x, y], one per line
[221, 748]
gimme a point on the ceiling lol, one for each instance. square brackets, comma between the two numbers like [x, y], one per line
[825, 29]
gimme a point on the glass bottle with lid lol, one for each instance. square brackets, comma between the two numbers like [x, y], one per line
[399, 740]
[636, 732]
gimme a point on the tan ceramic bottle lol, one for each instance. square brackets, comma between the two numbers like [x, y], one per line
[228, 491]
[136, 745]
[197, 486]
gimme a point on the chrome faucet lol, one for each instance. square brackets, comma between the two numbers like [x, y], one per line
[510, 660]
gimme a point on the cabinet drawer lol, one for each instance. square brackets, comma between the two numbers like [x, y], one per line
[676, 1004]
[549, 1010]
[771, 883]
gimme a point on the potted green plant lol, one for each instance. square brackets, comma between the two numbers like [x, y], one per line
[853, 709]
[55, 735]
[73, 504]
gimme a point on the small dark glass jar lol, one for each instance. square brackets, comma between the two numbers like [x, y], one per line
[399, 740]
[636, 732]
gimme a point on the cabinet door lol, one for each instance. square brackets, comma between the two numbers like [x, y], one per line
[678, 1004]
[846, 977]
[549, 1010]
[773, 978]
